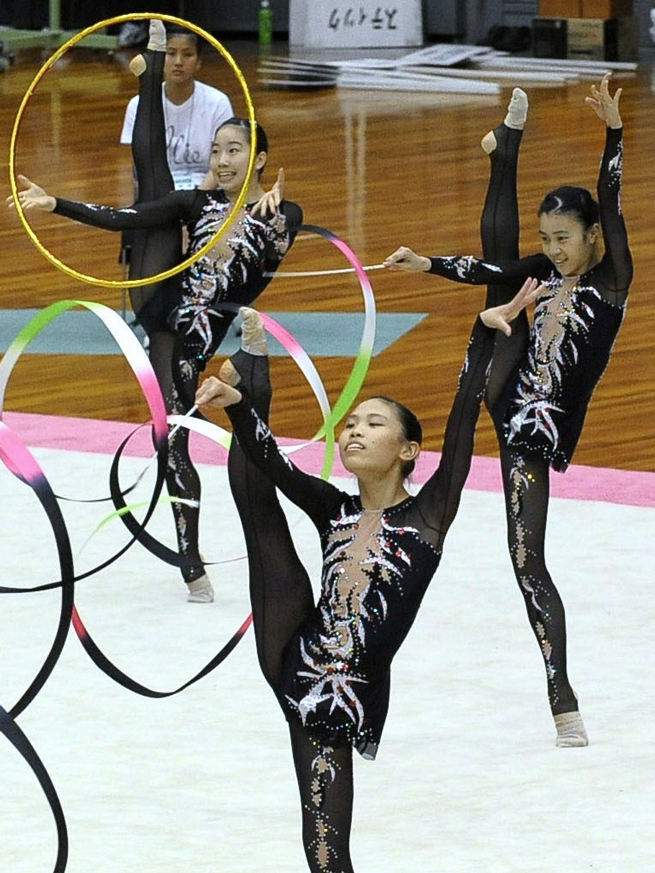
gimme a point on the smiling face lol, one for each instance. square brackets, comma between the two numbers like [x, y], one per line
[230, 156]
[570, 246]
[182, 60]
[372, 442]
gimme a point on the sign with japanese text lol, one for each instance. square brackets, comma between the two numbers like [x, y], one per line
[355, 23]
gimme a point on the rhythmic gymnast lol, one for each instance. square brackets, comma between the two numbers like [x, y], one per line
[542, 380]
[329, 663]
[184, 316]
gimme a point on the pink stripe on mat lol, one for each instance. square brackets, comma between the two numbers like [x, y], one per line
[90, 435]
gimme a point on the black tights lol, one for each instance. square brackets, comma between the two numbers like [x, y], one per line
[525, 478]
[154, 251]
[282, 598]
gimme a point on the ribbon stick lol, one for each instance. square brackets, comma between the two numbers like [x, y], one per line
[365, 353]
[309, 273]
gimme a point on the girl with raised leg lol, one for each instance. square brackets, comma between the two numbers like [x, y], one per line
[187, 316]
[539, 389]
[329, 662]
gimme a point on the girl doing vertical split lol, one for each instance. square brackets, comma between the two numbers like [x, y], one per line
[542, 379]
[185, 316]
[328, 663]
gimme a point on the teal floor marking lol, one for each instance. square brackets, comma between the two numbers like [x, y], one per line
[322, 334]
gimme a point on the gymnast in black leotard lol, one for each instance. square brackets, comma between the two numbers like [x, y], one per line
[187, 316]
[542, 380]
[329, 663]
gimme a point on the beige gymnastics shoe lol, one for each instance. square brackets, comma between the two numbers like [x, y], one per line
[201, 590]
[570, 730]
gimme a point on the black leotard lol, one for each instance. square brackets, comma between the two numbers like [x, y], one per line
[231, 273]
[543, 407]
[335, 671]
[190, 304]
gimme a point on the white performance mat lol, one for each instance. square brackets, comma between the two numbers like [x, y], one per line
[467, 778]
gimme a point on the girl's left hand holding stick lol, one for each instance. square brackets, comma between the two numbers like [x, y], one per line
[214, 392]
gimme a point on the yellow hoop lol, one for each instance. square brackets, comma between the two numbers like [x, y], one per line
[133, 283]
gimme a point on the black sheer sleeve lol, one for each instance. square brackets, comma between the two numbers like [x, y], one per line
[174, 207]
[438, 500]
[313, 495]
[474, 271]
[279, 233]
[616, 266]
[293, 215]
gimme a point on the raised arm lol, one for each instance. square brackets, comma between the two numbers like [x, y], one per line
[269, 202]
[439, 498]
[280, 220]
[616, 266]
[313, 495]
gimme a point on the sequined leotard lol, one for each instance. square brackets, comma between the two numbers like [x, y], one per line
[335, 673]
[183, 316]
[544, 405]
[235, 272]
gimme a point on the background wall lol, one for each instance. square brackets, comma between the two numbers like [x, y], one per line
[469, 20]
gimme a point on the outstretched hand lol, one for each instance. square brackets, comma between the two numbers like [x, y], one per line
[605, 106]
[499, 317]
[406, 259]
[214, 392]
[270, 202]
[32, 197]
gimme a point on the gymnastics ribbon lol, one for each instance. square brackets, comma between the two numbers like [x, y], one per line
[22, 745]
[110, 669]
[19, 461]
[362, 360]
[140, 365]
[222, 230]
[126, 340]
[160, 550]
[138, 361]
[365, 353]
[22, 464]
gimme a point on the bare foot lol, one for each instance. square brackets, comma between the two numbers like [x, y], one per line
[137, 65]
[253, 334]
[229, 374]
[488, 142]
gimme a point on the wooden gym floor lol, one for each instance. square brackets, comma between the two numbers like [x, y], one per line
[380, 169]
